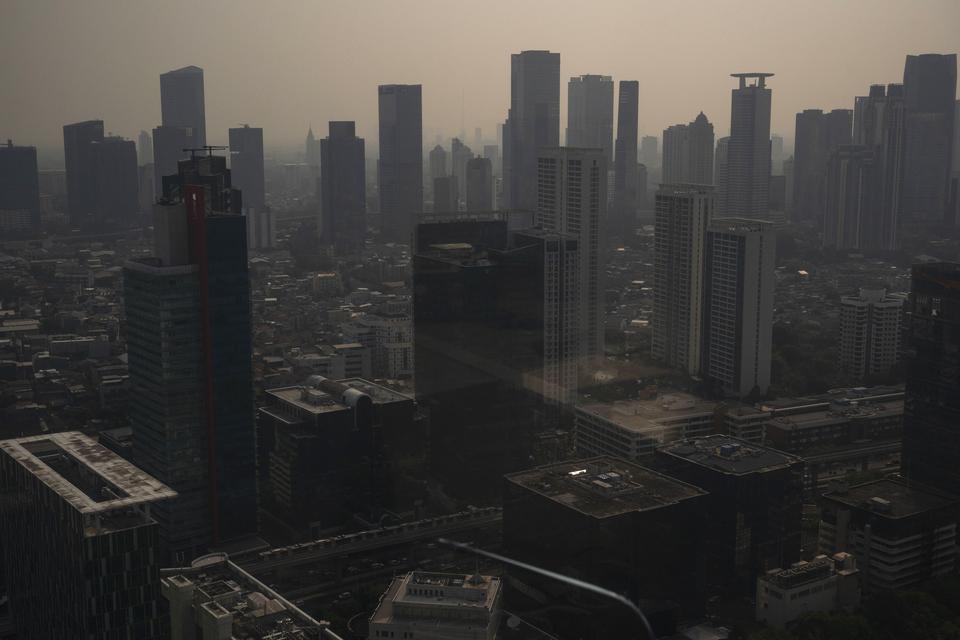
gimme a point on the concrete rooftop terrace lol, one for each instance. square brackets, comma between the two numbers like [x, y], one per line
[730, 455]
[640, 414]
[121, 484]
[899, 500]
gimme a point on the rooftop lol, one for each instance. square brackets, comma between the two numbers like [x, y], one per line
[418, 595]
[730, 455]
[890, 499]
[378, 393]
[90, 477]
[818, 415]
[639, 415]
[604, 487]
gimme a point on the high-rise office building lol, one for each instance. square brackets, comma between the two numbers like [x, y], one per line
[929, 96]
[776, 155]
[311, 152]
[246, 165]
[438, 162]
[479, 177]
[343, 199]
[182, 103]
[492, 153]
[533, 123]
[869, 333]
[688, 152]
[878, 126]
[168, 150]
[572, 199]
[818, 134]
[80, 546]
[20, 182]
[400, 167]
[931, 446]
[747, 187]
[590, 113]
[460, 155]
[625, 200]
[117, 183]
[144, 148]
[145, 192]
[720, 169]
[446, 194]
[850, 198]
[81, 169]
[682, 215]
[189, 344]
[649, 152]
[738, 287]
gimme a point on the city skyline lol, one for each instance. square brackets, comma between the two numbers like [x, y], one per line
[460, 89]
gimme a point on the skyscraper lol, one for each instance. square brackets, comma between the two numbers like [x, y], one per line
[81, 169]
[931, 419]
[776, 155]
[869, 333]
[590, 113]
[738, 284]
[343, 204]
[144, 148]
[625, 186]
[748, 150]
[930, 92]
[818, 134]
[438, 162]
[189, 345]
[20, 181]
[168, 150]
[80, 546]
[401, 159]
[446, 194]
[674, 153]
[649, 152]
[852, 186]
[682, 215]
[533, 123]
[182, 103]
[688, 152]
[720, 170]
[460, 154]
[479, 185]
[878, 126]
[311, 153]
[246, 165]
[572, 199]
[117, 183]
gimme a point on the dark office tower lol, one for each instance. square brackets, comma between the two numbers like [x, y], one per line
[879, 127]
[674, 154]
[626, 199]
[818, 134]
[145, 196]
[738, 288]
[479, 185]
[776, 155]
[495, 328]
[590, 113]
[931, 419]
[191, 380]
[492, 153]
[401, 159]
[460, 154]
[572, 199]
[930, 91]
[446, 194]
[80, 544]
[754, 505]
[168, 150]
[533, 123]
[851, 199]
[81, 169]
[311, 153]
[20, 182]
[117, 183]
[642, 193]
[720, 171]
[688, 152]
[438, 162]
[343, 199]
[683, 213]
[182, 103]
[748, 150]
[649, 152]
[246, 165]
[144, 148]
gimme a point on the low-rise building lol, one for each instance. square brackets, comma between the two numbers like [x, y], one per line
[438, 606]
[823, 584]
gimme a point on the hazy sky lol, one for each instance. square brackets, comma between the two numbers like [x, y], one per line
[284, 64]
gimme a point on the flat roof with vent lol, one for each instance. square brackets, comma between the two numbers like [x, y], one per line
[730, 455]
[603, 487]
[890, 499]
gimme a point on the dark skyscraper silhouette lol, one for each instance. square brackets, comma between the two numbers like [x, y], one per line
[311, 154]
[590, 113]
[343, 204]
[191, 378]
[446, 194]
[688, 152]
[246, 165]
[182, 103]
[747, 190]
[20, 181]
[931, 420]
[117, 183]
[479, 195]
[144, 148]
[81, 169]
[930, 91]
[401, 159]
[625, 188]
[168, 146]
[533, 123]
[818, 134]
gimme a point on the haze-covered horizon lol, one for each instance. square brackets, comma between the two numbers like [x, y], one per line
[288, 66]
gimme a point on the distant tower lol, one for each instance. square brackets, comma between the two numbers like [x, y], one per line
[748, 150]
[460, 154]
[182, 103]
[818, 134]
[720, 170]
[446, 194]
[649, 152]
[401, 159]
[625, 199]
[688, 152]
[312, 152]
[81, 169]
[479, 195]
[533, 123]
[572, 199]
[117, 183]
[776, 155]
[343, 207]
[144, 148]
[438, 162]
[246, 165]
[20, 182]
[590, 113]
[851, 199]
